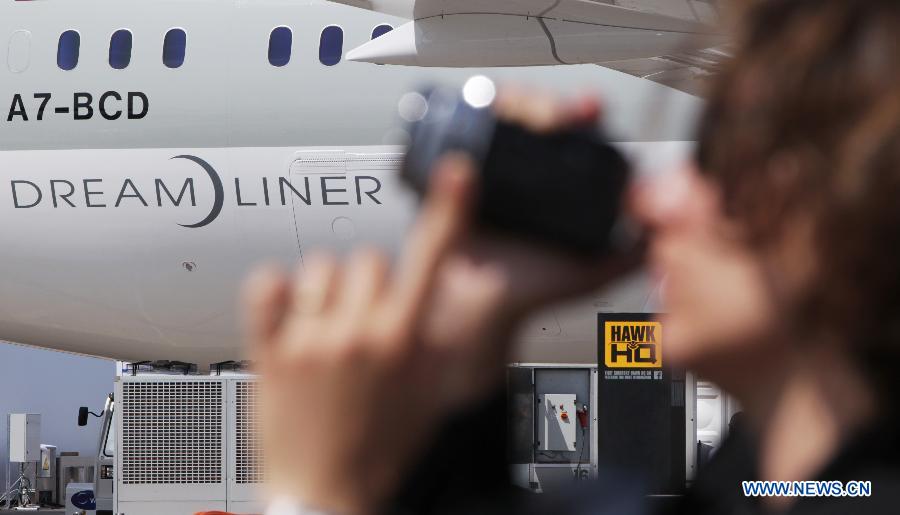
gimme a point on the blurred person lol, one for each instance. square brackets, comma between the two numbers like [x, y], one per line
[777, 255]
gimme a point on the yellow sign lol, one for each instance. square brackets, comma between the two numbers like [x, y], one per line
[633, 345]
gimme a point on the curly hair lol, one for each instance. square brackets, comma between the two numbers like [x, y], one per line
[805, 122]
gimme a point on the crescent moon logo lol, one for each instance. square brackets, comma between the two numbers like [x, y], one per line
[217, 188]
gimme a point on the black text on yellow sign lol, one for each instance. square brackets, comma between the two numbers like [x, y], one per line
[633, 345]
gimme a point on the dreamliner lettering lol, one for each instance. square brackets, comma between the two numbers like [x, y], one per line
[81, 105]
[162, 192]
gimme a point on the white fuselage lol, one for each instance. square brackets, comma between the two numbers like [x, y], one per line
[128, 228]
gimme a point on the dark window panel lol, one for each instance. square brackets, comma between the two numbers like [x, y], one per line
[120, 49]
[174, 46]
[68, 50]
[381, 30]
[331, 45]
[280, 41]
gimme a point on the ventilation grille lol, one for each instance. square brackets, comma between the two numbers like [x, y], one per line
[172, 432]
[248, 449]
[342, 162]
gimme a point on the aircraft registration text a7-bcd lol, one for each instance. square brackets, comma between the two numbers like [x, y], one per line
[110, 106]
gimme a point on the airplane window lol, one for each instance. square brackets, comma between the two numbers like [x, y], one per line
[120, 49]
[173, 48]
[280, 46]
[331, 45]
[381, 30]
[68, 49]
[19, 55]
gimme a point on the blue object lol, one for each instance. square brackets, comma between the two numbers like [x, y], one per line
[120, 49]
[280, 41]
[174, 46]
[84, 500]
[68, 49]
[381, 30]
[331, 45]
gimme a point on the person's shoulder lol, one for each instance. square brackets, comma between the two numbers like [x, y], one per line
[873, 455]
[864, 478]
[880, 497]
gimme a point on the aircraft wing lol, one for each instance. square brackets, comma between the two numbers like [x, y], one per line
[643, 15]
[487, 33]
[687, 71]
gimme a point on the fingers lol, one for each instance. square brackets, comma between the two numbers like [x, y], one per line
[442, 220]
[585, 110]
[364, 281]
[343, 296]
[265, 299]
[314, 285]
[542, 111]
[673, 199]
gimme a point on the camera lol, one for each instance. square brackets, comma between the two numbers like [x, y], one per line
[562, 189]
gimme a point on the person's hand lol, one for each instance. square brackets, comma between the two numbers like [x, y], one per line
[359, 362]
[522, 276]
[535, 275]
[349, 389]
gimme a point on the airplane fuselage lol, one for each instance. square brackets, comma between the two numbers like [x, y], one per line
[134, 200]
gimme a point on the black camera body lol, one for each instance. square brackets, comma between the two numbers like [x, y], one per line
[563, 188]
